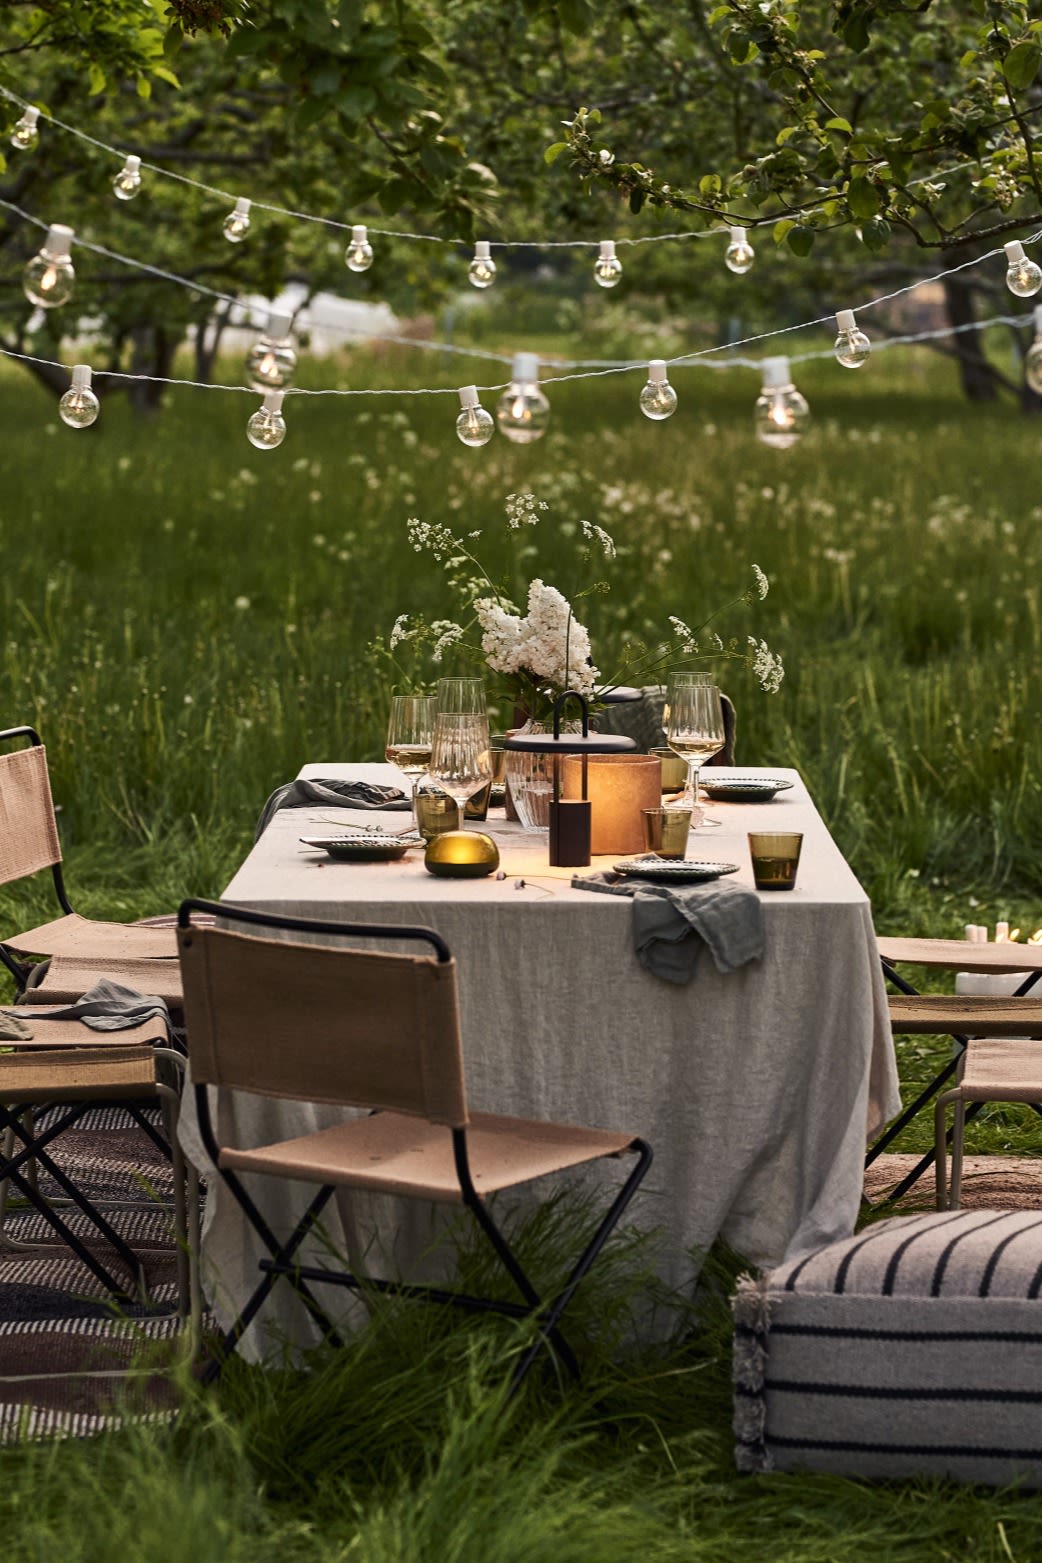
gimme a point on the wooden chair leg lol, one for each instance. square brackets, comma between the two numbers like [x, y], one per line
[940, 1149]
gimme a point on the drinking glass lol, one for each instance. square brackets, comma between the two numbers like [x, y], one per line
[461, 697]
[694, 725]
[461, 754]
[410, 733]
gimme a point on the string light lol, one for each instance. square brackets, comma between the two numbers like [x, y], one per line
[474, 425]
[127, 182]
[607, 269]
[237, 223]
[1033, 359]
[658, 399]
[272, 360]
[267, 427]
[780, 409]
[359, 253]
[523, 411]
[49, 278]
[1023, 277]
[79, 407]
[852, 345]
[739, 255]
[25, 134]
[482, 270]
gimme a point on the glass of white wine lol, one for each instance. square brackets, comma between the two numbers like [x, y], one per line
[461, 756]
[410, 734]
[694, 726]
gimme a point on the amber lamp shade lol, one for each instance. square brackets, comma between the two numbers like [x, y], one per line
[461, 854]
[618, 787]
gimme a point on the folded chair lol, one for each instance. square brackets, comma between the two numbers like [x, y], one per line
[67, 1067]
[963, 1017]
[378, 1032]
[28, 844]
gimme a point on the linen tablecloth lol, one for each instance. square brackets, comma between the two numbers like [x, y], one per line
[757, 1089]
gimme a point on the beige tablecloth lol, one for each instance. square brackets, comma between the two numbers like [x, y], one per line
[756, 1089]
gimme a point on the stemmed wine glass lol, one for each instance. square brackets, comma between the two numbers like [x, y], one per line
[410, 733]
[461, 754]
[694, 725]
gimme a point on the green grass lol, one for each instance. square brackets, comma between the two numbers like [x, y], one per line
[188, 620]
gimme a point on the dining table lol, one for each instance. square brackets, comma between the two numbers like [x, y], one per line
[757, 1087]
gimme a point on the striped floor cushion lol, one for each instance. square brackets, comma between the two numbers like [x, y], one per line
[914, 1348]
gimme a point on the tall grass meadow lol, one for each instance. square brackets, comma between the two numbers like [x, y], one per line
[187, 620]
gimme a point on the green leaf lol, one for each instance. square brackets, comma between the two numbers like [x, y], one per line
[900, 166]
[637, 199]
[862, 198]
[875, 233]
[839, 123]
[355, 102]
[144, 87]
[800, 240]
[165, 75]
[856, 34]
[786, 134]
[783, 226]
[709, 184]
[310, 112]
[551, 154]
[1020, 67]
[95, 79]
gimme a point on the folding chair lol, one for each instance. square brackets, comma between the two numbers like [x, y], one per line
[68, 1068]
[28, 844]
[964, 1017]
[375, 1031]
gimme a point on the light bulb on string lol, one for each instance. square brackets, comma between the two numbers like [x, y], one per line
[780, 409]
[359, 253]
[272, 360]
[739, 255]
[237, 223]
[852, 345]
[127, 182]
[474, 425]
[482, 270]
[658, 399]
[523, 412]
[267, 427]
[25, 134]
[1023, 277]
[49, 278]
[1033, 358]
[607, 268]
[79, 407]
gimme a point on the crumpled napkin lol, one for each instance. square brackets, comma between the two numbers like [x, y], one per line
[671, 923]
[325, 793]
[108, 1006]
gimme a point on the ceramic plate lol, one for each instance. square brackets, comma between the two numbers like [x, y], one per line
[364, 848]
[743, 789]
[676, 871]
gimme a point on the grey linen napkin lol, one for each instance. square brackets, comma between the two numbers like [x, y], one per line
[325, 793]
[106, 1007]
[12, 1029]
[671, 923]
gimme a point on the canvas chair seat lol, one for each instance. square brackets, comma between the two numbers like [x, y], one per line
[79, 937]
[65, 980]
[392, 1153]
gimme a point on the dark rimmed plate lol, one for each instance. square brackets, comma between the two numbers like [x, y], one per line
[363, 848]
[673, 871]
[743, 789]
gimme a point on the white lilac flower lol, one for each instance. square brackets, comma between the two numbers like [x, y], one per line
[762, 583]
[599, 535]
[767, 666]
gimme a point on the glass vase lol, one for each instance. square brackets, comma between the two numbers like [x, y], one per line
[530, 777]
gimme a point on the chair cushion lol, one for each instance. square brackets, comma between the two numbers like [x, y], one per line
[913, 1348]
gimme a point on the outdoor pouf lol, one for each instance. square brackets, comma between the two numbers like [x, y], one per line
[914, 1348]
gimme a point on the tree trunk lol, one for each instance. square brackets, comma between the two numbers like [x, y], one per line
[976, 375]
[152, 354]
[208, 341]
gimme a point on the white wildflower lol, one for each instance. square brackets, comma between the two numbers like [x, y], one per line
[400, 630]
[685, 635]
[448, 633]
[763, 585]
[522, 510]
[549, 644]
[599, 535]
[767, 666]
[242, 603]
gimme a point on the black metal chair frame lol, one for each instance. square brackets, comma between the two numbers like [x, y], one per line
[281, 1262]
[928, 1092]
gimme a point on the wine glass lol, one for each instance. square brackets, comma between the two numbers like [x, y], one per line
[695, 726]
[461, 754]
[461, 697]
[410, 733]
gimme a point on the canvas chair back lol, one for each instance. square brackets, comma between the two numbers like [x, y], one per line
[28, 829]
[355, 1027]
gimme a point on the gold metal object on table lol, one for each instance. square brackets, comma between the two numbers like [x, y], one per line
[461, 854]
